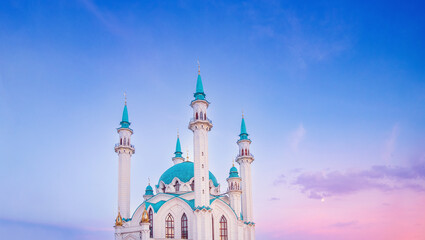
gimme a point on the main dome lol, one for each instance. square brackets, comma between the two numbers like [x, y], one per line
[184, 172]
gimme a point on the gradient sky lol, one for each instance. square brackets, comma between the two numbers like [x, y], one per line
[333, 94]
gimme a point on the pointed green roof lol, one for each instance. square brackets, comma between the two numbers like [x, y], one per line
[244, 134]
[199, 95]
[178, 152]
[124, 122]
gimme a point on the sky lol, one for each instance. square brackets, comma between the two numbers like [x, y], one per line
[333, 94]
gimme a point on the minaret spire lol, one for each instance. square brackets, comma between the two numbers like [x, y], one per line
[124, 122]
[243, 135]
[178, 154]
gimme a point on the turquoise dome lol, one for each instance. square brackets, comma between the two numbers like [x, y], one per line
[184, 172]
[149, 190]
[233, 172]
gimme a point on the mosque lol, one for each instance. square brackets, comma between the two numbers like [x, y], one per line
[187, 202]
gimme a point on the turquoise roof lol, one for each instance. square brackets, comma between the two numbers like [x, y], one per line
[124, 122]
[244, 134]
[184, 172]
[149, 190]
[233, 172]
[199, 95]
[156, 206]
[178, 152]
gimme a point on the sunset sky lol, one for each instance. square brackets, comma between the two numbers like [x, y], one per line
[333, 94]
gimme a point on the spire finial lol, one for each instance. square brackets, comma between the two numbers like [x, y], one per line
[149, 181]
[178, 135]
[125, 97]
[242, 114]
[233, 161]
[199, 68]
[187, 155]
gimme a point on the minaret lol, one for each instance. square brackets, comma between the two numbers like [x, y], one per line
[234, 190]
[201, 125]
[178, 158]
[245, 158]
[124, 150]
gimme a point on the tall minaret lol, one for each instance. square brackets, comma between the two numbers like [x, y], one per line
[201, 125]
[245, 159]
[124, 150]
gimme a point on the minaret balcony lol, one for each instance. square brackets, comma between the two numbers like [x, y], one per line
[200, 120]
[119, 146]
[206, 121]
[245, 155]
[245, 158]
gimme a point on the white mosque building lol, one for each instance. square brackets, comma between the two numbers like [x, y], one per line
[187, 202]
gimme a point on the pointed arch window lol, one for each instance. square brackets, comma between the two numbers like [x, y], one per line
[223, 228]
[205, 116]
[169, 226]
[196, 116]
[246, 152]
[120, 141]
[150, 222]
[177, 186]
[185, 232]
[202, 116]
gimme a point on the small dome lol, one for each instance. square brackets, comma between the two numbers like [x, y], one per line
[149, 190]
[184, 172]
[233, 172]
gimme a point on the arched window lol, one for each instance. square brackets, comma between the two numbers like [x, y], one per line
[205, 116]
[185, 234]
[223, 228]
[202, 116]
[169, 226]
[151, 222]
[163, 189]
[246, 152]
[192, 185]
[125, 141]
[120, 141]
[177, 186]
[196, 116]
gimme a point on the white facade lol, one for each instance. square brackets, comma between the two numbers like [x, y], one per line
[188, 203]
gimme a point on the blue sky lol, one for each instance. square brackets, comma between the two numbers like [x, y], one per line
[326, 87]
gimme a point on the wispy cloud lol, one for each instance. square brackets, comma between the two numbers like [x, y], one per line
[108, 20]
[297, 136]
[317, 185]
[280, 179]
[390, 143]
[274, 199]
[19, 229]
[344, 224]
